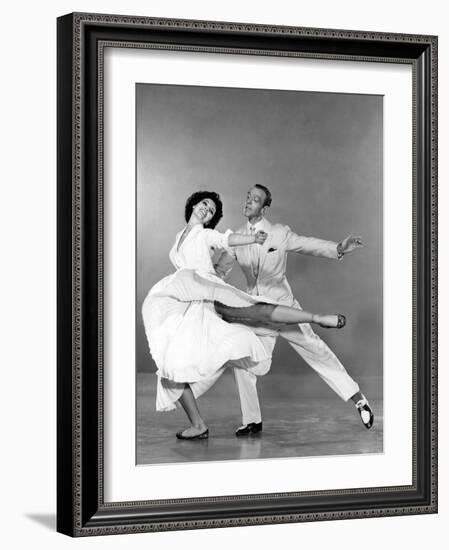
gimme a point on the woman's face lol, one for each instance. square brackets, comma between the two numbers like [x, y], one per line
[205, 210]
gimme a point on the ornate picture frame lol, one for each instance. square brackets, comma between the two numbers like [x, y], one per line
[81, 508]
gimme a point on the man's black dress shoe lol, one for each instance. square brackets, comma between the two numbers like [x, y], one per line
[249, 429]
[366, 412]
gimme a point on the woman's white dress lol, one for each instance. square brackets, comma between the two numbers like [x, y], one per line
[188, 340]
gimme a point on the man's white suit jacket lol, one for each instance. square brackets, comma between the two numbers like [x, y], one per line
[269, 278]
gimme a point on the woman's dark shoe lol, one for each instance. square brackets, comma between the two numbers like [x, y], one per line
[341, 320]
[202, 435]
[336, 320]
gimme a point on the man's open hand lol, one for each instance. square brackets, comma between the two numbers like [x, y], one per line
[350, 244]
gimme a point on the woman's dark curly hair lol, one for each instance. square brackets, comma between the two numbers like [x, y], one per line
[197, 197]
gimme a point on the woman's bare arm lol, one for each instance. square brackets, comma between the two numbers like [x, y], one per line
[238, 239]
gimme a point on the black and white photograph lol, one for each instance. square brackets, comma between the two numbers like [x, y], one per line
[259, 299]
[222, 287]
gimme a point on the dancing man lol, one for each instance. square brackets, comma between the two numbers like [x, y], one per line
[264, 269]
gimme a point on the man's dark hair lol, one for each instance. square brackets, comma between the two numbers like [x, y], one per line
[197, 197]
[268, 198]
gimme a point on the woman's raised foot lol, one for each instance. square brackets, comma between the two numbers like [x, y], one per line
[335, 320]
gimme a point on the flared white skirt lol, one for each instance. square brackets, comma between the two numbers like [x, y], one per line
[189, 341]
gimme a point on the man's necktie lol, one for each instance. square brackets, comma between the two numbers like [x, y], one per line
[254, 254]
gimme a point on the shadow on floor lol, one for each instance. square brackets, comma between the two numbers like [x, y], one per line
[46, 520]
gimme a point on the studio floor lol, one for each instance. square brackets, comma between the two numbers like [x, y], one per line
[301, 417]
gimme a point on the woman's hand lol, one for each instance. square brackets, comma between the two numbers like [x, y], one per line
[260, 237]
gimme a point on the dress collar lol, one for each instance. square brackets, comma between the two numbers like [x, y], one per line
[194, 229]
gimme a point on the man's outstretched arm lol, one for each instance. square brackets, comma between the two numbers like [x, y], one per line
[320, 247]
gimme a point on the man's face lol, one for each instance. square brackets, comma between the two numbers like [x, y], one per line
[254, 203]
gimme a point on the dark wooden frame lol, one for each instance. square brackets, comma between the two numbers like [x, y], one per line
[81, 510]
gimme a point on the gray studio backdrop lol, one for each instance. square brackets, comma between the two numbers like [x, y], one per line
[321, 156]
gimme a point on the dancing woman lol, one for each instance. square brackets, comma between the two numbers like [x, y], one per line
[196, 323]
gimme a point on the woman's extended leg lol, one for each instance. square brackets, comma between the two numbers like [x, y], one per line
[269, 313]
[198, 428]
